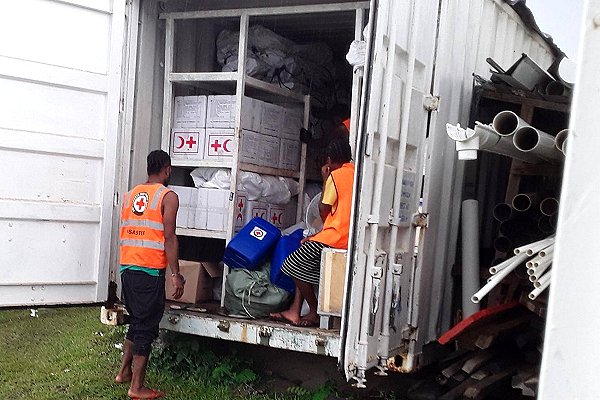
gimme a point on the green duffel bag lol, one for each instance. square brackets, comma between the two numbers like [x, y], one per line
[250, 294]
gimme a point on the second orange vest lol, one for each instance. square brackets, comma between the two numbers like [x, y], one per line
[337, 224]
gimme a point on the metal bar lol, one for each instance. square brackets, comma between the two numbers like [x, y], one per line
[279, 336]
[265, 11]
[168, 88]
[239, 95]
[70, 283]
[373, 229]
[201, 233]
[201, 163]
[357, 77]
[302, 180]
[203, 76]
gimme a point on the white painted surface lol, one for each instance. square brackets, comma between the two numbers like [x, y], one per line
[60, 85]
[469, 31]
[570, 358]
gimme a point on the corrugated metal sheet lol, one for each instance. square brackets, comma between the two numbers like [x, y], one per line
[470, 31]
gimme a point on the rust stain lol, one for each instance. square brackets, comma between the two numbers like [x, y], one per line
[244, 335]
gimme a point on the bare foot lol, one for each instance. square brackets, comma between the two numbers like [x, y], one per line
[123, 376]
[309, 320]
[286, 316]
[145, 393]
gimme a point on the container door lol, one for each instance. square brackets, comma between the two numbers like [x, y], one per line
[387, 225]
[60, 74]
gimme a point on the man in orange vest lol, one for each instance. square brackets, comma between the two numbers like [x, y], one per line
[304, 265]
[147, 244]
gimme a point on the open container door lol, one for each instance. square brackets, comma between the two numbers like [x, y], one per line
[387, 225]
[60, 78]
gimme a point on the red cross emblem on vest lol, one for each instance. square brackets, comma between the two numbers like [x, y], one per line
[140, 203]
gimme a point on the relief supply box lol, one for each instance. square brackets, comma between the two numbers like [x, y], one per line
[189, 112]
[187, 205]
[293, 121]
[188, 144]
[271, 120]
[199, 281]
[220, 144]
[221, 112]
[289, 154]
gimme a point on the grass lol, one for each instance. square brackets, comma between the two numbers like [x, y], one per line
[68, 354]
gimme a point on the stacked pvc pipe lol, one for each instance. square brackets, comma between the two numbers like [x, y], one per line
[536, 256]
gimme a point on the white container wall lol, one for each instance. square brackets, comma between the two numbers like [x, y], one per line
[60, 85]
[470, 31]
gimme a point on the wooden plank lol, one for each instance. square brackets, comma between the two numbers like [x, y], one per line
[484, 387]
[538, 103]
[168, 86]
[259, 169]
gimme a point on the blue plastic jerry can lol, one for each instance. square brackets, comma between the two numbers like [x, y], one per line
[252, 246]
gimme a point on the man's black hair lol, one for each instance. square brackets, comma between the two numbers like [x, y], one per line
[157, 160]
[339, 150]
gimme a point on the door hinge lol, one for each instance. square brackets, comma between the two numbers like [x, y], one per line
[421, 220]
[431, 102]
[116, 199]
[409, 332]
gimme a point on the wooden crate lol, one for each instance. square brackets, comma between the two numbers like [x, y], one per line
[332, 282]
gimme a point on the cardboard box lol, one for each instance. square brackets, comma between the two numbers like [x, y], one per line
[220, 111]
[251, 114]
[271, 121]
[293, 120]
[218, 209]
[187, 204]
[250, 147]
[256, 208]
[239, 209]
[199, 277]
[283, 215]
[201, 213]
[269, 151]
[331, 285]
[289, 154]
[189, 112]
[188, 144]
[220, 144]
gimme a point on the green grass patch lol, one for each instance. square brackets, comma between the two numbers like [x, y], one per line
[68, 354]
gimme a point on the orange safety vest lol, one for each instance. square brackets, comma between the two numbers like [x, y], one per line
[142, 234]
[337, 224]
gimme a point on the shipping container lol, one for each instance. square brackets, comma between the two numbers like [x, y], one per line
[91, 91]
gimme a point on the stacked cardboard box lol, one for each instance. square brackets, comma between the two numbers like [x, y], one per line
[201, 208]
[203, 129]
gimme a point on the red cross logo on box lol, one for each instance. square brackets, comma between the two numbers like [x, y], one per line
[186, 142]
[220, 145]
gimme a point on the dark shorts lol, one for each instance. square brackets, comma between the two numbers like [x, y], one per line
[144, 298]
[304, 264]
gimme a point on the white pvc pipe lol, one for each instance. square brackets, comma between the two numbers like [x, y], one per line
[502, 244]
[507, 122]
[542, 280]
[541, 268]
[532, 248]
[549, 206]
[529, 139]
[502, 212]
[470, 255]
[497, 268]
[496, 279]
[560, 140]
[524, 201]
[545, 226]
[537, 291]
[547, 252]
[492, 142]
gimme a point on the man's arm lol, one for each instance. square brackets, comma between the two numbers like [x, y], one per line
[170, 208]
